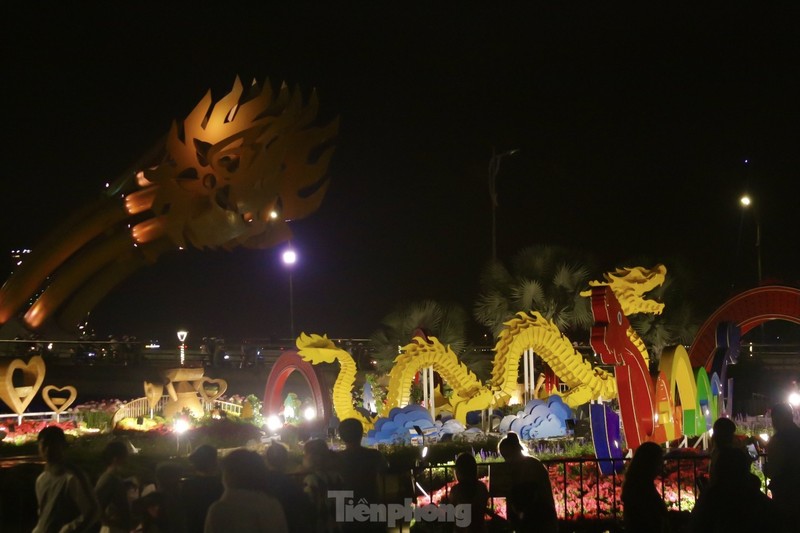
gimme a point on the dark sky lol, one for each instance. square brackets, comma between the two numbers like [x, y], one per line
[632, 126]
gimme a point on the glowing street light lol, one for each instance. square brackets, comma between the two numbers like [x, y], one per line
[182, 338]
[289, 258]
[747, 203]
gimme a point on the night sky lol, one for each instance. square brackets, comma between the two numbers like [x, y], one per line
[633, 129]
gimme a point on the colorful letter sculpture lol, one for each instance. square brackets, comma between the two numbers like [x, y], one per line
[232, 174]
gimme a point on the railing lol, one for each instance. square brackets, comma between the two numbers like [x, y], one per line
[140, 407]
[580, 491]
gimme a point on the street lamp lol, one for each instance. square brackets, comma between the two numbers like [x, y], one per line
[747, 203]
[289, 259]
[182, 337]
[494, 168]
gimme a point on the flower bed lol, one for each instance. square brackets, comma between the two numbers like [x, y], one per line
[581, 492]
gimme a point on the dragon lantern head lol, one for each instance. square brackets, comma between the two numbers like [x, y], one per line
[236, 170]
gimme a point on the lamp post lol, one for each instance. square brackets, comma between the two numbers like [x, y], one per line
[747, 203]
[181, 338]
[494, 168]
[289, 259]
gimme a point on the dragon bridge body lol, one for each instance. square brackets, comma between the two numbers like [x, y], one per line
[232, 174]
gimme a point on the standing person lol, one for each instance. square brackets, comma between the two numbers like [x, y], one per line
[64, 495]
[245, 505]
[112, 491]
[288, 490]
[530, 504]
[471, 491]
[783, 463]
[644, 511]
[322, 477]
[202, 489]
[362, 471]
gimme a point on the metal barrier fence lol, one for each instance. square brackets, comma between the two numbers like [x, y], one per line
[580, 490]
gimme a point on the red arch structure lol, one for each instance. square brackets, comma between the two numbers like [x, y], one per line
[288, 363]
[747, 310]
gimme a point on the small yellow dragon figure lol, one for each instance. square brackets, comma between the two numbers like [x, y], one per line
[523, 331]
[231, 174]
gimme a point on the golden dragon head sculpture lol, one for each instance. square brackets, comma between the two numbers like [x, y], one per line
[233, 173]
[236, 170]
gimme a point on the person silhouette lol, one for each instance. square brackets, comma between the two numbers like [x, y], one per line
[530, 505]
[288, 490]
[644, 511]
[783, 463]
[470, 490]
[245, 504]
[733, 501]
[202, 489]
[64, 495]
[112, 491]
[362, 471]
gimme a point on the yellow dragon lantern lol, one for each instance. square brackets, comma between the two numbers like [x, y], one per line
[231, 174]
[523, 331]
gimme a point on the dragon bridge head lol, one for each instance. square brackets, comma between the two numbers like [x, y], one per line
[236, 170]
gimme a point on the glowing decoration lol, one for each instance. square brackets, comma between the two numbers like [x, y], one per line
[184, 386]
[468, 392]
[606, 437]
[609, 338]
[680, 378]
[18, 398]
[153, 392]
[210, 389]
[317, 349]
[232, 174]
[59, 403]
[534, 331]
[182, 338]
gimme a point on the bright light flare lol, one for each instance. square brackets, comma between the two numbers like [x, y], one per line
[794, 399]
[289, 257]
[745, 201]
[424, 451]
[274, 423]
[764, 437]
[181, 426]
[309, 413]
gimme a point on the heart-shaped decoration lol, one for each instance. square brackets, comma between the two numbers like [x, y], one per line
[153, 392]
[210, 389]
[32, 378]
[59, 403]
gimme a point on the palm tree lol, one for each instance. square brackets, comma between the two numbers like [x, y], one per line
[446, 322]
[547, 279]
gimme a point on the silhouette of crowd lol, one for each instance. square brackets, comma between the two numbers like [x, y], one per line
[245, 491]
[241, 492]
